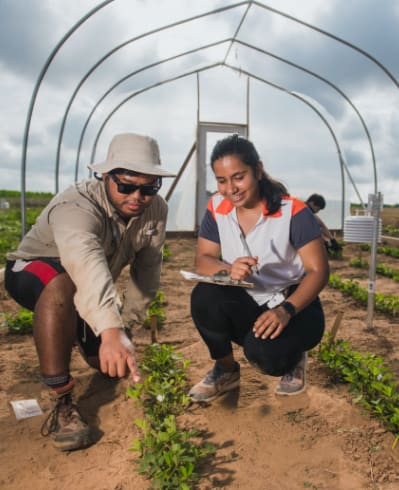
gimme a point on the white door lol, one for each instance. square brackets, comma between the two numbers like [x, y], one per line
[208, 135]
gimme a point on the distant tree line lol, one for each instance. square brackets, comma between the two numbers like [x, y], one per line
[355, 206]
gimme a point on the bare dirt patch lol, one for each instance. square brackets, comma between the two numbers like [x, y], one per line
[317, 440]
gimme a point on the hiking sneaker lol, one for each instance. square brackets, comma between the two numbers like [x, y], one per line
[66, 426]
[216, 382]
[294, 381]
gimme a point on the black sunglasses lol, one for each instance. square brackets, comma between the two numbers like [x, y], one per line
[145, 190]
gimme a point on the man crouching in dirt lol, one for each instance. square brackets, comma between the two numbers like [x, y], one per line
[66, 266]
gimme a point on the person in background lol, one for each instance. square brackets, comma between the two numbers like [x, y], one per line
[65, 269]
[316, 202]
[254, 230]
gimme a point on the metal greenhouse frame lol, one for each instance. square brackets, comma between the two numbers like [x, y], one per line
[197, 147]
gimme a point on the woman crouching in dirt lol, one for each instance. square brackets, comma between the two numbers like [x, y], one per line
[254, 230]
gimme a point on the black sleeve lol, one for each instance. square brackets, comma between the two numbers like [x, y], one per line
[304, 228]
[209, 228]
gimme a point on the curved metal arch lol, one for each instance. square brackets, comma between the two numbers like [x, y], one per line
[32, 102]
[332, 36]
[114, 50]
[74, 28]
[123, 79]
[250, 46]
[333, 86]
[135, 94]
[309, 104]
[314, 108]
[248, 3]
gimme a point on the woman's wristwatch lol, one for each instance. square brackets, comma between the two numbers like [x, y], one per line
[289, 308]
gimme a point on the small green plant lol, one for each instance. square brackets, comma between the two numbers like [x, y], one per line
[19, 323]
[392, 230]
[166, 253]
[156, 309]
[359, 262]
[308, 484]
[336, 252]
[373, 384]
[169, 455]
[162, 391]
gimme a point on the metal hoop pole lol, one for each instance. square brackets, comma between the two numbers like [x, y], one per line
[33, 100]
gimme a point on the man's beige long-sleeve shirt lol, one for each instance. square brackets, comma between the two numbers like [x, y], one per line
[82, 229]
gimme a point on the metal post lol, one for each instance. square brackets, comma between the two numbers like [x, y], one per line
[32, 102]
[375, 207]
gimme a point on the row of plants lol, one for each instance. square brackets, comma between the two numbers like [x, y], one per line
[10, 228]
[371, 381]
[382, 269]
[169, 455]
[20, 323]
[8, 194]
[389, 251]
[391, 230]
[385, 303]
[10, 217]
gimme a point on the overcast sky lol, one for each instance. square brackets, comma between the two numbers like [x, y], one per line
[342, 93]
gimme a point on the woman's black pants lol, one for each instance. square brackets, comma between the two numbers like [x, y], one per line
[226, 314]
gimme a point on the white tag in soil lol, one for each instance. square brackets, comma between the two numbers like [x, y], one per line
[26, 408]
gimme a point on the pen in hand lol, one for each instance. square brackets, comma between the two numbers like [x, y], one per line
[248, 251]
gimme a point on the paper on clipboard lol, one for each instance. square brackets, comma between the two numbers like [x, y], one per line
[220, 279]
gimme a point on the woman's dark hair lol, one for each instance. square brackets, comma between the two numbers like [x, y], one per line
[272, 190]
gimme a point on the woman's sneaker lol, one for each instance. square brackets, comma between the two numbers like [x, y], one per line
[294, 382]
[216, 382]
[66, 425]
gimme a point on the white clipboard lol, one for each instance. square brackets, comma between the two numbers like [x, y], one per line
[220, 279]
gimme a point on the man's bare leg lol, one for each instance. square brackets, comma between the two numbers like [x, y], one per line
[54, 326]
[54, 331]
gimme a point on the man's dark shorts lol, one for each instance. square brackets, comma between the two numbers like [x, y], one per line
[25, 281]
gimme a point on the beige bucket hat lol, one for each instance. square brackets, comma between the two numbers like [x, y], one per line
[134, 152]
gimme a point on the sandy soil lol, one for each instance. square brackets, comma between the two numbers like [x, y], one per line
[318, 440]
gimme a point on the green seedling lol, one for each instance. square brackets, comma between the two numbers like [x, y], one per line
[169, 455]
[163, 390]
[373, 384]
[166, 253]
[19, 323]
[156, 309]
